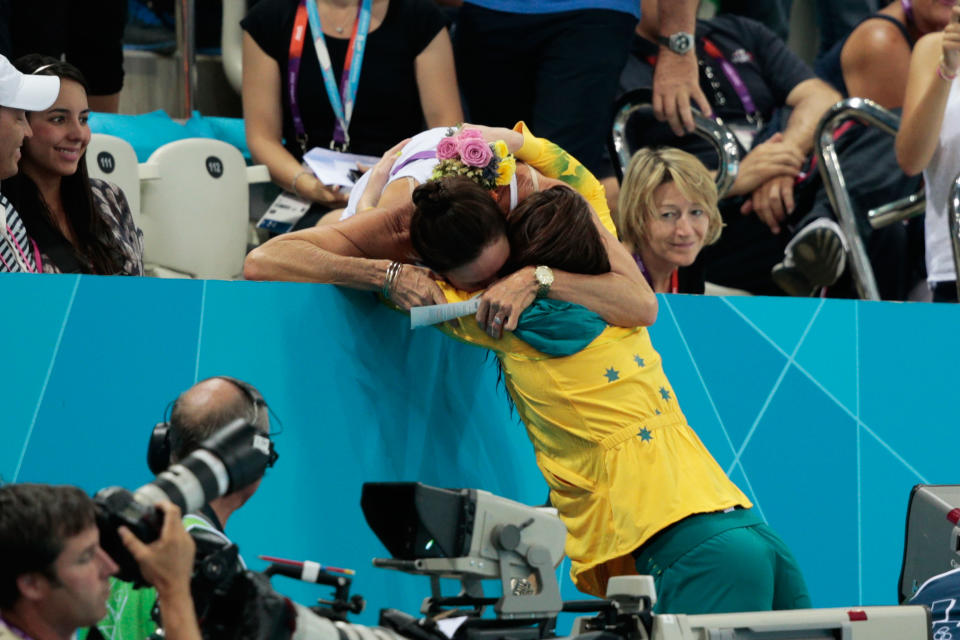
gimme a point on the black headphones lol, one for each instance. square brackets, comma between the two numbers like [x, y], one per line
[159, 450]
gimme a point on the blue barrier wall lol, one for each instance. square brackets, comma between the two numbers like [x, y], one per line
[824, 412]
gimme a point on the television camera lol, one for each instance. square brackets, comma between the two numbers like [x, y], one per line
[473, 536]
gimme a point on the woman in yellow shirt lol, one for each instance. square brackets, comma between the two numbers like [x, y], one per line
[634, 484]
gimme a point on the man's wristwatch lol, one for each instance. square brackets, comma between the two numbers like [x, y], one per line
[679, 42]
[544, 276]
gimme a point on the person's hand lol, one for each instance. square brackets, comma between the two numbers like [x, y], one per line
[415, 287]
[379, 176]
[513, 138]
[315, 191]
[676, 81]
[772, 202]
[167, 562]
[385, 163]
[951, 43]
[770, 159]
[503, 302]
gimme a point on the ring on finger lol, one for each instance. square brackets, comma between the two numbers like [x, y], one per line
[498, 320]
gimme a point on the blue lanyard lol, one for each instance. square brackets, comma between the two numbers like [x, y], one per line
[342, 98]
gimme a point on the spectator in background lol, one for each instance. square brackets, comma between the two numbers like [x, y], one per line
[774, 118]
[54, 574]
[81, 225]
[874, 60]
[18, 93]
[407, 77]
[88, 34]
[554, 64]
[835, 18]
[774, 115]
[927, 142]
[667, 213]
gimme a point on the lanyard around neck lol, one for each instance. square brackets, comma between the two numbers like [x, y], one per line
[907, 7]
[341, 99]
[739, 86]
[674, 277]
[19, 255]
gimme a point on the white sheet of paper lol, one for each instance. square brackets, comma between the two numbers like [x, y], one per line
[449, 626]
[333, 167]
[436, 313]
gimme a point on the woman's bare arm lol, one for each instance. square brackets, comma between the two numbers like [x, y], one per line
[353, 253]
[437, 82]
[923, 106]
[263, 120]
[379, 176]
[622, 296]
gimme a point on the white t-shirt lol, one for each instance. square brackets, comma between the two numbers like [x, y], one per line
[420, 169]
[940, 176]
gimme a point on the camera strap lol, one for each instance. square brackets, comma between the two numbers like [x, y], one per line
[93, 633]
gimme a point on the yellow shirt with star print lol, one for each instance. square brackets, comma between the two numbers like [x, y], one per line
[620, 459]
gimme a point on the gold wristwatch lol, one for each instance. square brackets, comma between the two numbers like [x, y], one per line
[544, 276]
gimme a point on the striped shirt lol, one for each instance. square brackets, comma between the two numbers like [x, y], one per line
[17, 250]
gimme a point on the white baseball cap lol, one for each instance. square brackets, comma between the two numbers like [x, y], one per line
[21, 91]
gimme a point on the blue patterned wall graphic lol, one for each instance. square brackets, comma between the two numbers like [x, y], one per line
[825, 412]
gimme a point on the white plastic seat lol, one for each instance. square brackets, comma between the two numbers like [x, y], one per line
[195, 214]
[113, 159]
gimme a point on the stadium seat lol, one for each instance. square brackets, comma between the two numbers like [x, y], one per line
[113, 159]
[195, 214]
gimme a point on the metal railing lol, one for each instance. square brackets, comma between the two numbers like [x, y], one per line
[714, 131]
[187, 46]
[953, 220]
[869, 113]
[898, 210]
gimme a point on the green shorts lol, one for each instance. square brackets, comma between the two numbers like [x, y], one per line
[722, 562]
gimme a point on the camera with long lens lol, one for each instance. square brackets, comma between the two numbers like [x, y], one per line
[230, 459]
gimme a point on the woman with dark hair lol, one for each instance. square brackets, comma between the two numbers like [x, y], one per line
[373, 250]
[81, 225]
[479, 232]
[635, 486]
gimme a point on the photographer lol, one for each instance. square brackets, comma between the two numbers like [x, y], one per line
[198, 413]
[54, 574]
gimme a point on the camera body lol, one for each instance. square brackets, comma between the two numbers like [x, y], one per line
[230, 459]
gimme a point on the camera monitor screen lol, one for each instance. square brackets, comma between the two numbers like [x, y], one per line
[413, 520]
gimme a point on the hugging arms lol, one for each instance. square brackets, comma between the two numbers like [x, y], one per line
[357, 252]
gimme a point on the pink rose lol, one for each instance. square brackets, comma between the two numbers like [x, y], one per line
[467, 134]
[448, 148]
[475, 153]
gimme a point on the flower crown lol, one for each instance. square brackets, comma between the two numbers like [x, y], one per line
[463, 152]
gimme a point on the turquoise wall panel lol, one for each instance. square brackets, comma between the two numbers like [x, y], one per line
[825, 412]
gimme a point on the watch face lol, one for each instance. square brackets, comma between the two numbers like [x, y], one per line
[544, 276]
[681, 42]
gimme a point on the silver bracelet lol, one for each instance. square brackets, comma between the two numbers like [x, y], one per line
[391, 276]
[293, 183]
